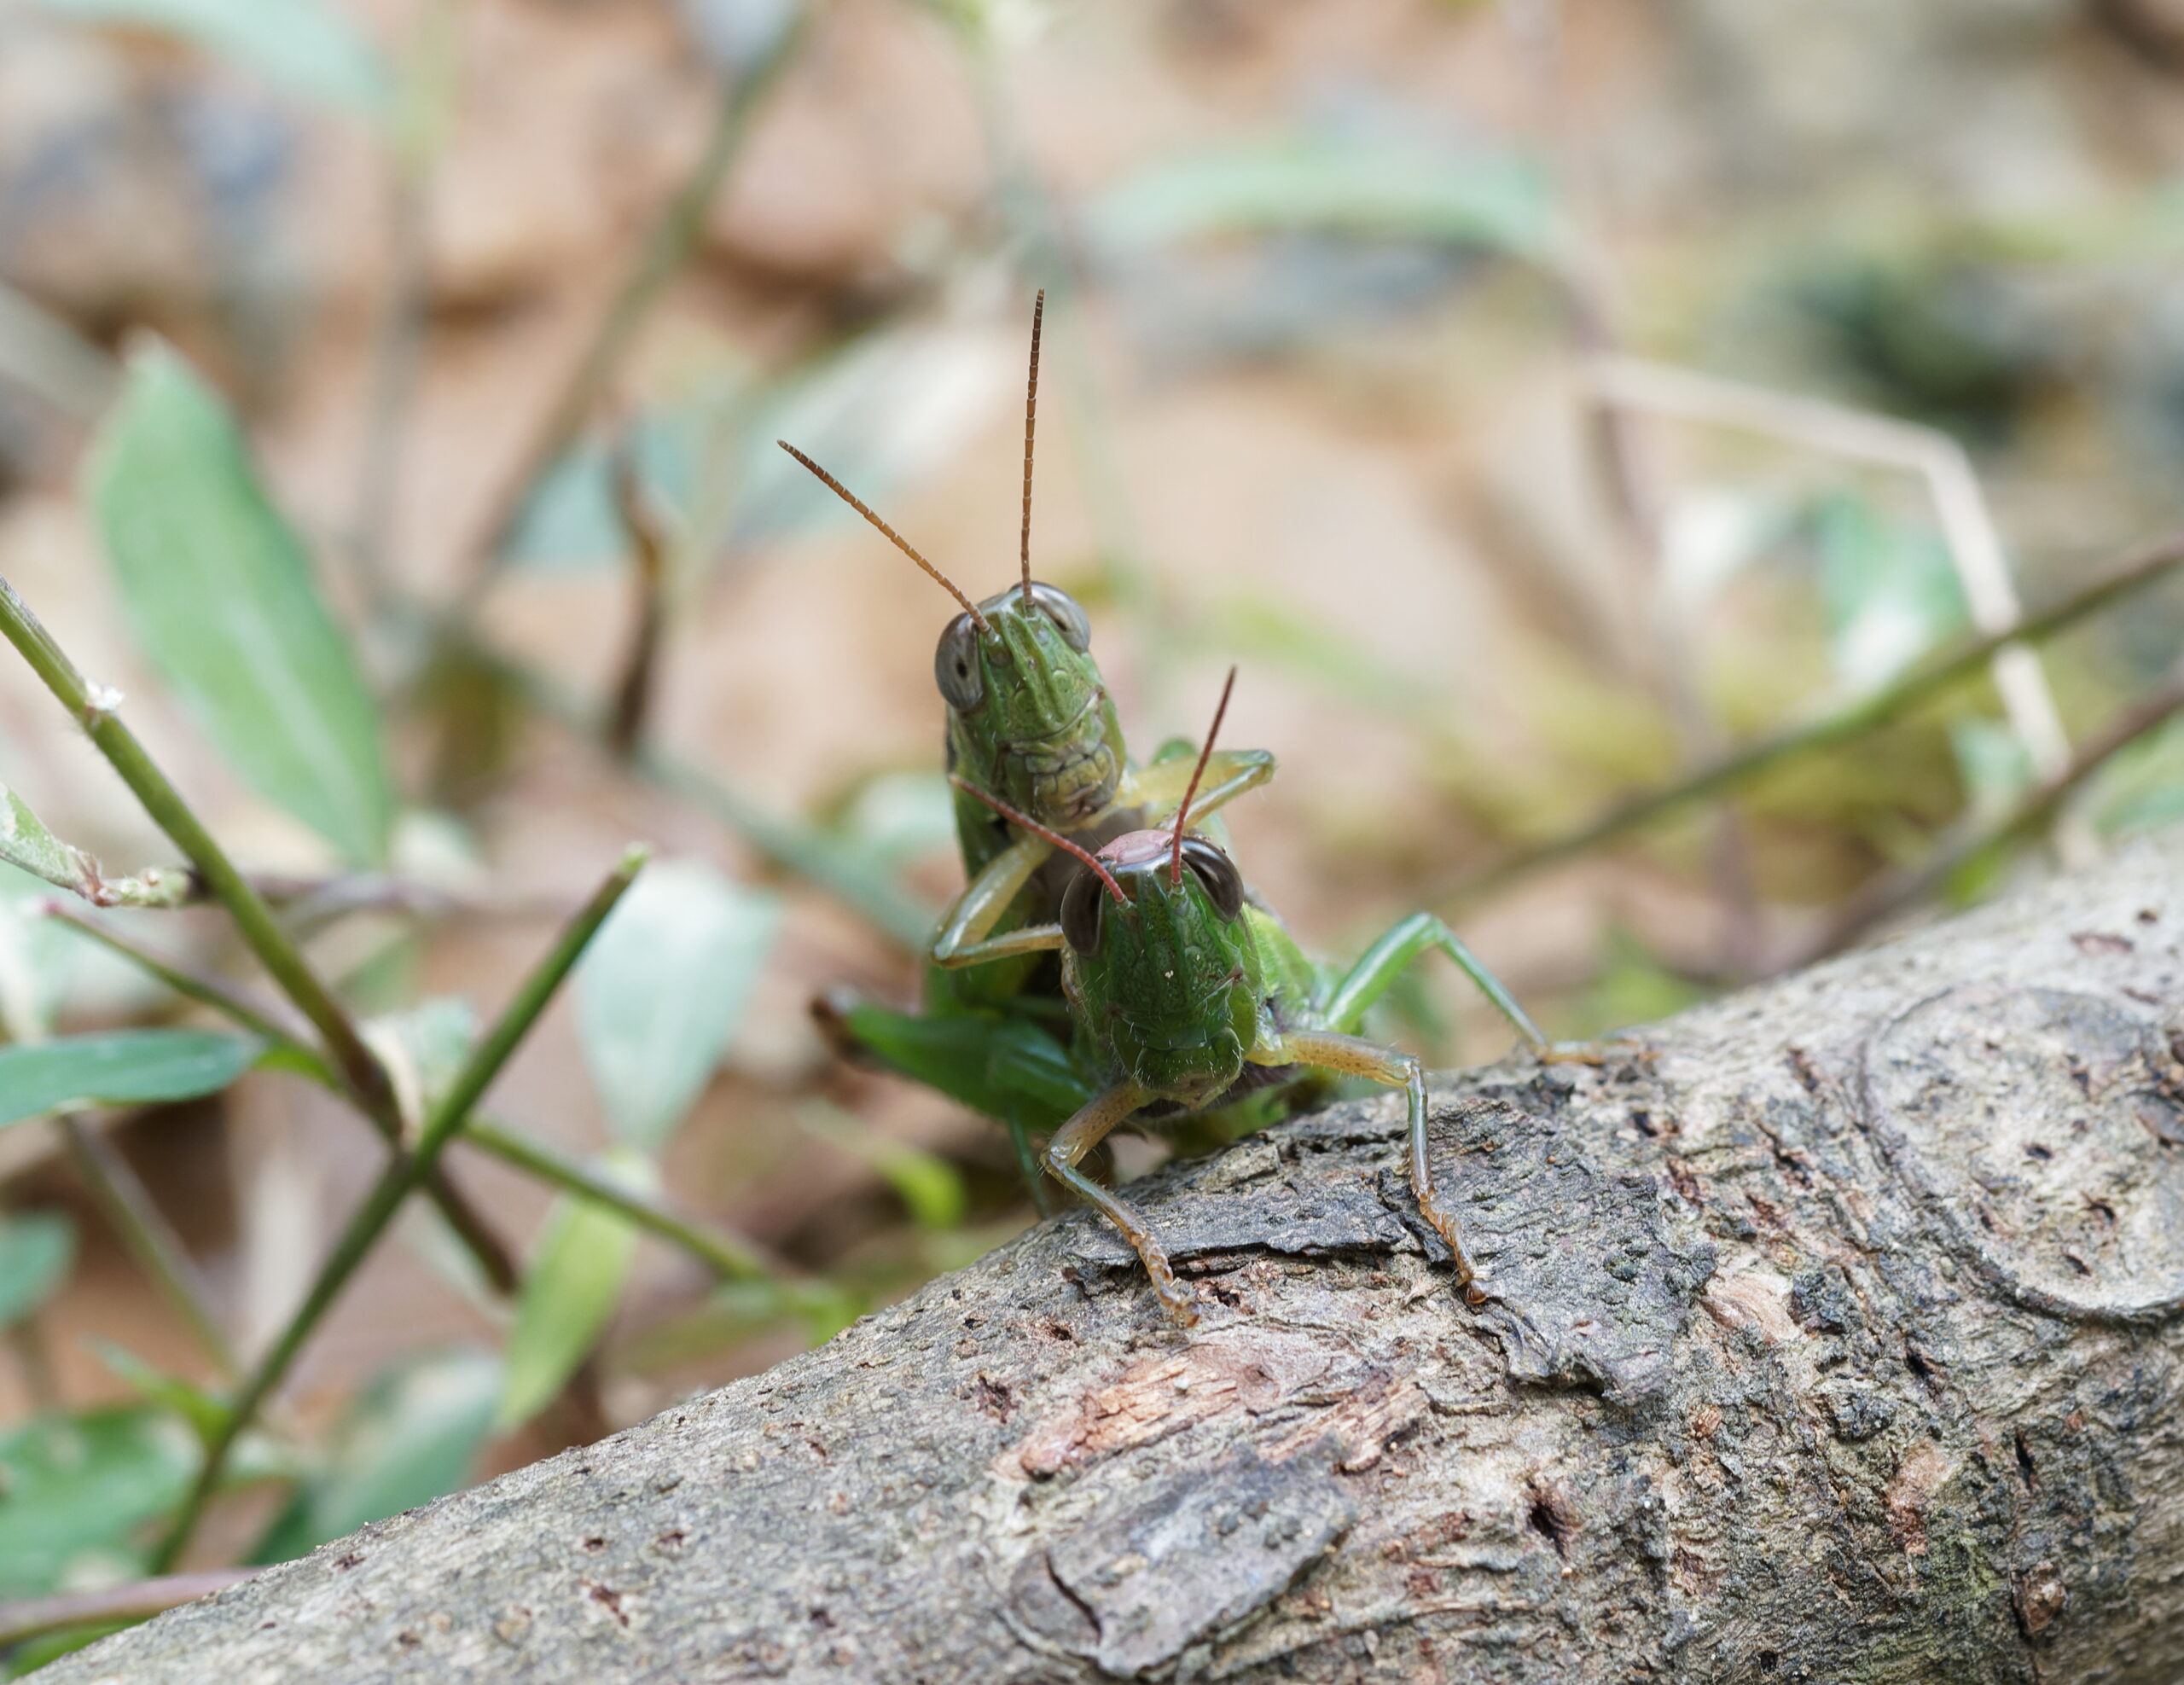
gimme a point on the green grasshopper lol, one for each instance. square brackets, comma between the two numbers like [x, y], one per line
[1188, 994]
[1030, 721]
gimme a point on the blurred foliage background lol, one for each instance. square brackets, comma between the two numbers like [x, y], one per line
[1540, 400]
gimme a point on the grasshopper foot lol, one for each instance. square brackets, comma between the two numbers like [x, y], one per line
[1445, 1225]
[1177, 1299]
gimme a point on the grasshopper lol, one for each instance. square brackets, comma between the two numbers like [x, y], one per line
[1030, 722]
[1188, 994]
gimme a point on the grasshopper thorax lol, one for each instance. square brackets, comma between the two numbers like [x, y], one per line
[1028, 716]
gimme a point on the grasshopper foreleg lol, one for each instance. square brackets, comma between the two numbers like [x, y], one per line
[1066, 1150]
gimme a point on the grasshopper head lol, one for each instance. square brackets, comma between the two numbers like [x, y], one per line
[1028, 717]
[1168, 976]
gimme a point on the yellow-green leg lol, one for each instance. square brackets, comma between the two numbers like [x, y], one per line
[964, 938]
[1066, 1150]
[1354, 1056]
[1379, 965]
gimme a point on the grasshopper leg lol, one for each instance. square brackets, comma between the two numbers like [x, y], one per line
[1354, 1056]
[962, 937]
[1228, 774]
[1379, 965]
[1066, 1150]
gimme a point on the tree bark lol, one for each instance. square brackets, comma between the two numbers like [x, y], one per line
[1835, 1339]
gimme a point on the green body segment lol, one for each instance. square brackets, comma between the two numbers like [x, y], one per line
[1188, 996]
[1043, 735]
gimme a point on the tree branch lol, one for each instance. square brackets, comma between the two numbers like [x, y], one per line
[1838, 1337]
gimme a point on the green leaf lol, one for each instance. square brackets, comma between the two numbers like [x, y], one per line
[36, 1249]
[77, 1488]
[1334, 185]
[25, 843]
[928, 1184]
[569, 1291]
[307, 49]
[2142, 787]
[221, 594]
[206, 1415]
[900, 816]
[424, 1048]
[1889, 592]
[123, 1067]
[410, 1436]
[662, 989]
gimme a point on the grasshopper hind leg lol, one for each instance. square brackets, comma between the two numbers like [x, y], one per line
[1379, 965]
[1004, 1066]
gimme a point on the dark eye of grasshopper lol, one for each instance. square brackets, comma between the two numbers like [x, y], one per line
[1218, 872]
[955, 665]
[1066, 614]
[1081, 911]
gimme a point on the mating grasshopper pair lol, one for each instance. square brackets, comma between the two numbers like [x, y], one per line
[1177, 991]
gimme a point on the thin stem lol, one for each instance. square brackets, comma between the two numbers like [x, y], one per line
[188, 981]
[666, 249]
[730, 1255]
[143, 1230]
[94, 706]
[1961, 508]
[27, 1341]
[1896, 891]
[633, 692]
[141, 1600]
[1928, 679]
[403, 1176]
[805, 851]
[726, 1254]
[397, 350]
[46, 357]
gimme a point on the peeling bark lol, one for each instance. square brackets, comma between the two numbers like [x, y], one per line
[1835, 1340]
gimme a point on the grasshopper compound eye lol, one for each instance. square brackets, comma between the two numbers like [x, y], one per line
[1067, 614]
[1224, 884]
[1083, 905]
[955, 666]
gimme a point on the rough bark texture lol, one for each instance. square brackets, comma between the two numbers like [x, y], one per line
[1836, 1342]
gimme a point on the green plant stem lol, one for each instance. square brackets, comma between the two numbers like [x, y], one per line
[143, 1231]
[1894, 891]
[843, 871]
[666, 249]
[402, 1175]
[139, 1600]
[191, 982]
[730, 1255]
[1869, 713]
[94, 707]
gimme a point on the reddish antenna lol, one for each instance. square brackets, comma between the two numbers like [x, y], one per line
[893, 537]
[1030, 418]
[1183, 813]
[1037, 829]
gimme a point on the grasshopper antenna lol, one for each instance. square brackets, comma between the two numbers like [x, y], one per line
[1033, 825]
[1183, 813]
[1031, 419]
[893, 537]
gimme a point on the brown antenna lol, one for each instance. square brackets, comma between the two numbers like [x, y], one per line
[893, 537]
[1037, 829]
[1183, 813]
[1031, 419]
